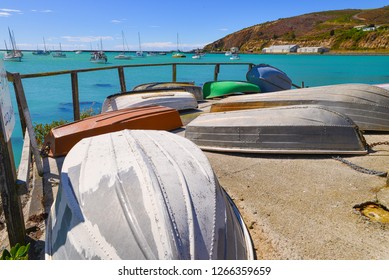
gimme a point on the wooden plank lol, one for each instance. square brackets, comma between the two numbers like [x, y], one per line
[20, 110]
[11, 202]
[23, 175]
[19, 91]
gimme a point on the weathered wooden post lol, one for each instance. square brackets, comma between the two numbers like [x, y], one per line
[11, 202]
[174, 78]
[22, 103]
[122, 79]
[216, 72]
[75, 95]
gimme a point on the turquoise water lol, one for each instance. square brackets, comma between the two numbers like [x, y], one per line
[50, 98]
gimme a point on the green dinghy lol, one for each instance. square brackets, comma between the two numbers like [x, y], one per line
[223, 88]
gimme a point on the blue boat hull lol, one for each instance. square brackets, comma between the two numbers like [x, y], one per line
[268, 78]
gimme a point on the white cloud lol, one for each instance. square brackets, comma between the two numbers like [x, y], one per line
[86, 39]
[115, 21]
[42, 11]
[11, 10]
[8, 12]
[223, 29]
[5, 14]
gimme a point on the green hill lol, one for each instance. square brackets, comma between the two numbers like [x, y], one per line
[332, 29]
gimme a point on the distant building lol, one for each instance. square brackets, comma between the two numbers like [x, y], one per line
[312, 50]
[281, 49]
[366, 27]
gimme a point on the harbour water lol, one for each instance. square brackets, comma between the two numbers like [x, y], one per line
[50, 98]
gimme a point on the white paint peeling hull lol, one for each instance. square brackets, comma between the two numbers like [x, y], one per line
[142, 195]
[176, 99]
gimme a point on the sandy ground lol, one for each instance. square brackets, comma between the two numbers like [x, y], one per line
[303, 207]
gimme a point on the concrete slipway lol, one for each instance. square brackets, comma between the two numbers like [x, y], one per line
[296, 207]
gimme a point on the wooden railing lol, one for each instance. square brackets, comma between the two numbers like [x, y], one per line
[16, 78]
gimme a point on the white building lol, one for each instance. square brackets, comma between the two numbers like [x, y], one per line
[281, 49]
[312, 50]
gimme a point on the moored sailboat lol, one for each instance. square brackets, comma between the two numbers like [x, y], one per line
[14, 54]
[123, 55]
[99, 56]
[178, 53]
[59, 53]
[41, 52]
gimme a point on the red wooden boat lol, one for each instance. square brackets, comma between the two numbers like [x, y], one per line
[62, 138]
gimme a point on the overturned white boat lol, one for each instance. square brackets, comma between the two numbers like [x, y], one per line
[366, 105]
[178, 99]
[284, 130]
[197, 91]
[142, 194]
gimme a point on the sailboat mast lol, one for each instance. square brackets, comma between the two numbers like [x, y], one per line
[44, 44]
[11, 39]
[140, 46]
[177, 43]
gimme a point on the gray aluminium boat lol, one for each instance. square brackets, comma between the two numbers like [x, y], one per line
[285, 130]
[142, 194]
[366, 105]
[178, 99]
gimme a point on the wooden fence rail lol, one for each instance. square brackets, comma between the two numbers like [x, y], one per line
[121, 76]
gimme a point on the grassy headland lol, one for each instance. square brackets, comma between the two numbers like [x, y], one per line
[343, 31]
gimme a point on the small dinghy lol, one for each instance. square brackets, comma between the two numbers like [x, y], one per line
[284, 130]
[268, 78]
[137, 194]
[173, 98]
[223, 88]
[197, 91]
[62, 138]
[366, 105]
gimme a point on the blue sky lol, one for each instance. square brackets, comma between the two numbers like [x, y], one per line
[81, 24]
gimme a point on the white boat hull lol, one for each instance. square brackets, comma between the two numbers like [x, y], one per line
[142, 195]
[176, 99]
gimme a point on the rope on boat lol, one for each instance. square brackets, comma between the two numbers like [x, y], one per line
[363, 169]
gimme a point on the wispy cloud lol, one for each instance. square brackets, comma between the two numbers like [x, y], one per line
[86, 39]
[118, 20]
[9, 12]
[42, 11]
[5, 14]
[223, 29]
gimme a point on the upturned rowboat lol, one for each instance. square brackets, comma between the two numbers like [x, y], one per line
[62, 138]
[137, 194]
[366, 105]
[173, 98]
[197, 91]
[223, 88]
[284, 130]
[268, 78]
